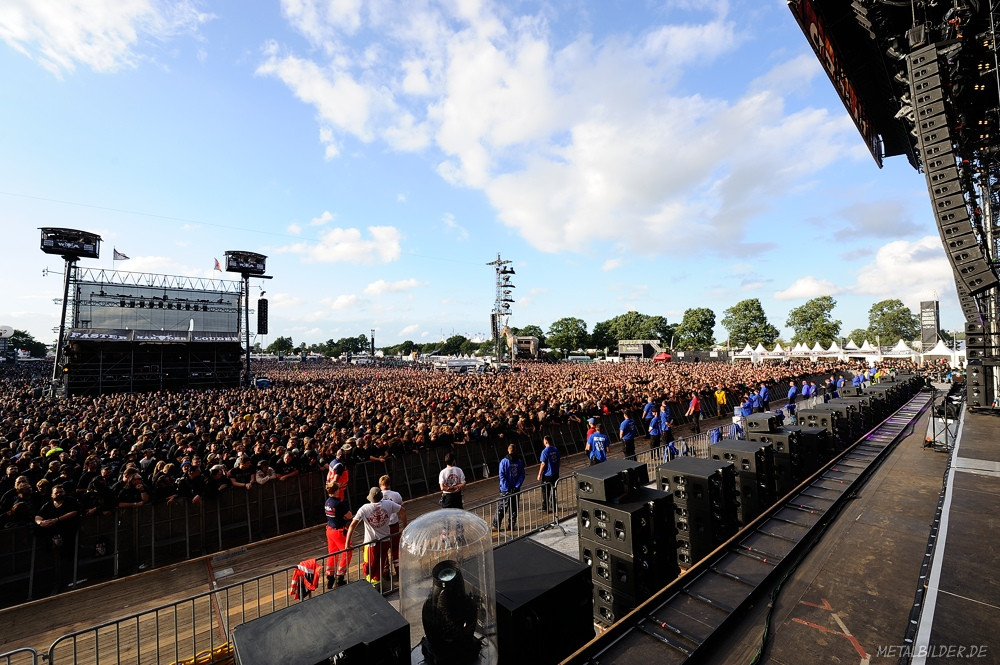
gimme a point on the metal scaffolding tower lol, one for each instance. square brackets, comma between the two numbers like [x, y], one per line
[501, 308]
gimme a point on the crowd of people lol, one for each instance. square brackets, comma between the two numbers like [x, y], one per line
[123, 450]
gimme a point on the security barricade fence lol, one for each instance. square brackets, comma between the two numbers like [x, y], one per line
[19, 657]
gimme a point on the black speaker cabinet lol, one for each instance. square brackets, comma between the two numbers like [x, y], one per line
[611, 480]
[818, 417]
[638, 575]
[544, 603]
[354, 623]
[705, 504]
[975, 374]
[755, 481]
[846, 410]
[746, 456]
[824, 445]
[633, 526]
[610, 605]
[848, 389]
[769, 421]
[700, 484]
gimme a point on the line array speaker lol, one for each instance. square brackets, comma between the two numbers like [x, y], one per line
[944, 180]
[262, 316]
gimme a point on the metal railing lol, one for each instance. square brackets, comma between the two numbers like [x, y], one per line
[19, 657]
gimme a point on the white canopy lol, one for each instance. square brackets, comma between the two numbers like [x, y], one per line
[760, 348]
[901, 347]
[901, 350]
[817, 348]
[866, 347]
[834, 348]
[778, 349]
[939, 350]
[850, 346]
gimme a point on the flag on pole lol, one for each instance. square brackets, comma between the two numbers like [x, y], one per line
[217, 266]
[120, 256]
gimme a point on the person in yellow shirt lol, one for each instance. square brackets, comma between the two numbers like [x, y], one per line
[720, 399]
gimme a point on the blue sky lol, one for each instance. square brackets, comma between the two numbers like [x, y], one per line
[653, 156]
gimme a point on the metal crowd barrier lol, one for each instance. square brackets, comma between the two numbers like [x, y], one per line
[19, 657]
[131, 539]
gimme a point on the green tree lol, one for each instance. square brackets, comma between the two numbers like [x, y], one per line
[281, 345]
[630, 325]
[858, 335]
[697, 329]
[567, 333]
[890, 321]
[812, 322]
[747, 324]
[23, 340]
[453, 345]
[657, 327]
[602, 338]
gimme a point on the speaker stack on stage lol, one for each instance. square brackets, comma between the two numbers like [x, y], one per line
[863, 417]
[627, 536]
[706, 502]
[352, 624]
[983, 352]
[753, 462]
[795, 458]
[544, 603]
[847, 425]
[833, 421]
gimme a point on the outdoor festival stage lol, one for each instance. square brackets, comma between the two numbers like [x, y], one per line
[850, 599]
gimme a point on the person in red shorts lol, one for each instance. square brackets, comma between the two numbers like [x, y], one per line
[338, 517]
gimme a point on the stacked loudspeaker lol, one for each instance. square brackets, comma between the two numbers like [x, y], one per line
[351, 624]
[983, 355]
[544, 603]
[753, 462]
[973, 274]
[627, 536]
[836, 424]
[706, 502]
[795, 457]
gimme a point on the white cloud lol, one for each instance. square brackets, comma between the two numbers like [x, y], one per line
[611, 264]
[567, 148]
[409, 330]
[104, 35]
[284, 300]
[381, 286]
[457, 230]
[349, 246]
[294, 229]
[907, 270]
[323, 219]
[806, 288]
[345, 301]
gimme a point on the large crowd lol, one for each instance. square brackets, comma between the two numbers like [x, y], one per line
[120, 450]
